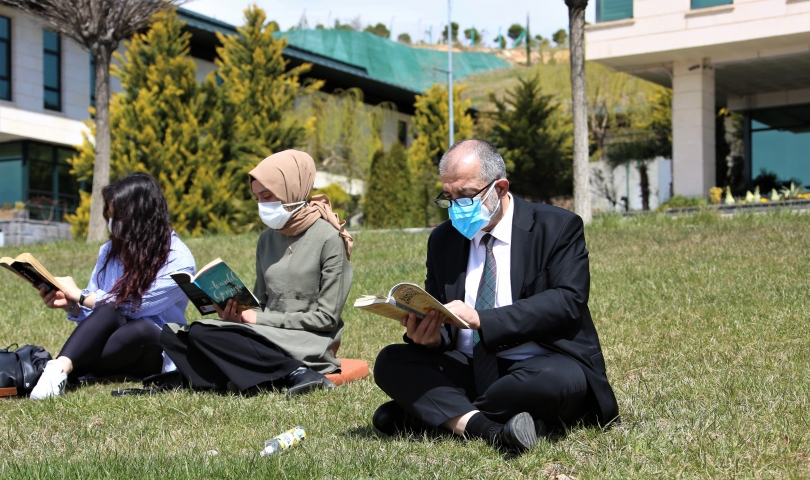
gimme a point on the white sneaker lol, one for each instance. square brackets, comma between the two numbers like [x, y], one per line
[51, 383]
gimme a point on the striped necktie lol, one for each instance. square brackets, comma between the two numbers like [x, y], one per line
[485, 365]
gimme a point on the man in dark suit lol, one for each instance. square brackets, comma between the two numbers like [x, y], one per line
[518, 274]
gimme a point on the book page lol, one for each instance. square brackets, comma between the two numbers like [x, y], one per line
[208, 265]
[27, 267]
[380, 306]
[415, 298]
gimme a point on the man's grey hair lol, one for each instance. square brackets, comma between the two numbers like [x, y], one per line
[492, 164]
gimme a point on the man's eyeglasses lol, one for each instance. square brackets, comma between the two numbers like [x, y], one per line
[442, 202]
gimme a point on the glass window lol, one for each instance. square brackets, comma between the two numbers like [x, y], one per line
[51, 70]
[68, 185]
[710, 3]
[51, 187]
[780, 140]
[5, 58]
[609, 10]
[40, 170]
[12, 171]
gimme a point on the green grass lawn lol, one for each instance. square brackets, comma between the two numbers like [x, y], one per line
[703, 320]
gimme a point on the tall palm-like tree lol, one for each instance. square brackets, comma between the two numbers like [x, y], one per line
[576, 23]
[99, 26]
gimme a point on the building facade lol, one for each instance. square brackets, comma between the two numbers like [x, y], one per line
[47, 89]
[749, 56]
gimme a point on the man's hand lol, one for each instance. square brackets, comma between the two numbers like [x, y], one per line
[231, 313]
[464, 312]
[425, 332]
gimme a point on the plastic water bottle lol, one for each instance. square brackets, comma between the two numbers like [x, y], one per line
[277, 445]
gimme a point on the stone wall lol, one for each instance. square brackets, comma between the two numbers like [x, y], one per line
[24, 232]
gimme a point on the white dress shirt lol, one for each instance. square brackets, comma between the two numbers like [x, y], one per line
[502, 250]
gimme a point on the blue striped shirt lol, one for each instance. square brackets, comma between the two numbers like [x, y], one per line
[163, 303]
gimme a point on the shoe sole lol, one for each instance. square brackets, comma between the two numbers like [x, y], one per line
[519, 432]
[308, 387]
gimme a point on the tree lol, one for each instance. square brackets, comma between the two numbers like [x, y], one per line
[346, 131]
[455, 33]
[649, 137]
[515, 31]
[500, 41]
[380, 30]
[541, 42]
[165, 124]
[388, 200]
[529, 133]
[560, 37]
[614, 101]
[431, 136]
[528, 42]
[354, 25]
[473, 35]
[99, 26]
[579, 109]
[257, 96]
[404, 38]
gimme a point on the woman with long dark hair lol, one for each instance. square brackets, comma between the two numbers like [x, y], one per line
[303, 277]
[130, 295]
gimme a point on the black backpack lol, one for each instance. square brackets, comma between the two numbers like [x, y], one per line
[20, 369]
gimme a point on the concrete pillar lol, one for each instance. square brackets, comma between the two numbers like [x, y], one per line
[693, 117]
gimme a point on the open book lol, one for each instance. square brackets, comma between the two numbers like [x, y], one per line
[405, 298]
[26, 266]
[215, 283]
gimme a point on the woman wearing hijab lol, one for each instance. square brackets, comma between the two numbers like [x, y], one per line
[303, 277]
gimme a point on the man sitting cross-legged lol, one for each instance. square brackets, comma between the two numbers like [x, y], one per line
[518, 273]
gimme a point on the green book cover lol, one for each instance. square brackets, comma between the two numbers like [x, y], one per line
[215, 283]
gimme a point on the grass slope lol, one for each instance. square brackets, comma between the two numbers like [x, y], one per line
[703, 321]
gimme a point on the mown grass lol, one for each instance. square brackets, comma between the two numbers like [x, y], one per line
[703, 321]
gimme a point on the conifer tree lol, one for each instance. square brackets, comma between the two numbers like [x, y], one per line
[431, 137]
[257, 96]
[388, 200]
[165, 124]
[530, 136]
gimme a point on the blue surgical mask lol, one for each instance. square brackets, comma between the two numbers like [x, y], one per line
[471, 219]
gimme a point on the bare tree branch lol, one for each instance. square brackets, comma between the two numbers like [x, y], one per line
[99, 26]
[94, 22]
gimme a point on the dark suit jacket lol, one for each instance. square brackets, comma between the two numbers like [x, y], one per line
[550, 286]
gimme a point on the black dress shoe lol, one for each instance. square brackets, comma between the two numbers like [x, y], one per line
[390, 419]
[305, 380]
[540, 428]
[519, 433]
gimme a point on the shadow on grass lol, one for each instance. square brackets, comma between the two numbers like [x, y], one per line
[368, 432]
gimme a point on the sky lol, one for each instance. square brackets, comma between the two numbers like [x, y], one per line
[415, 17]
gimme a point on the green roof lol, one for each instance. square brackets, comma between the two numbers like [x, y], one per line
[388, 61]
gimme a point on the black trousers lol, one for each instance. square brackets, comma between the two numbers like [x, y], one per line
[109, 343]
[436, 386]
[210, 356]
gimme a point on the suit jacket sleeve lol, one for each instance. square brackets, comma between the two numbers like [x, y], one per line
[552, 302]
[432, 286]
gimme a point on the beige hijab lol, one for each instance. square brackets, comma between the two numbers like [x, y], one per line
[290, 175]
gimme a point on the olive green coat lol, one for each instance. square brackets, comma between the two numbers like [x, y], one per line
[304, 282]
